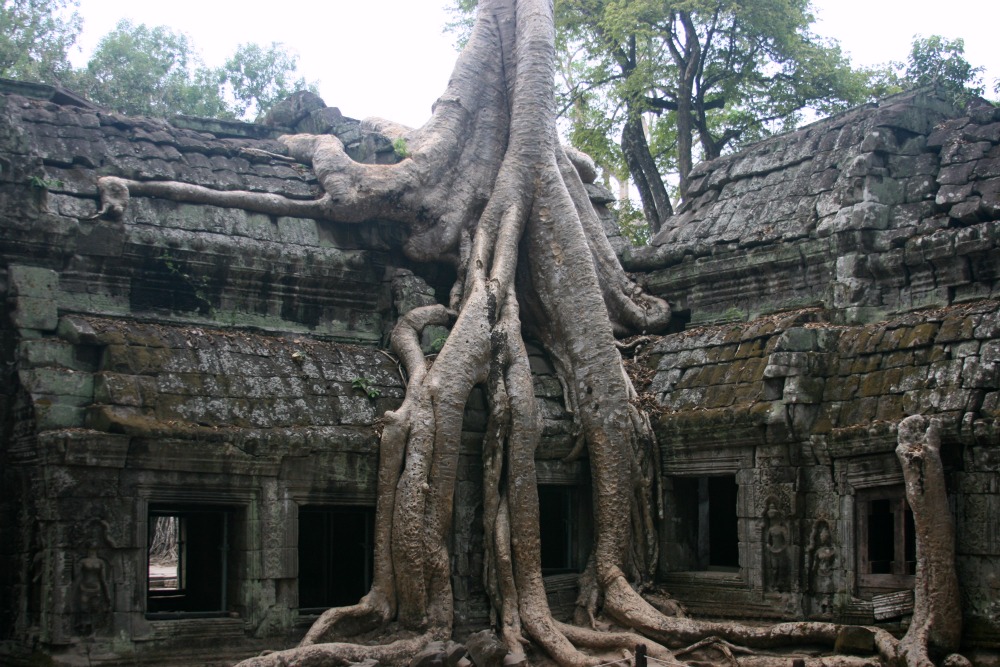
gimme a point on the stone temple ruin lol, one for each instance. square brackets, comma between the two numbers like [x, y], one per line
[217, 374]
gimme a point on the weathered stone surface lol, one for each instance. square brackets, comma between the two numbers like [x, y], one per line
[289, 112]
[855, 641]
[485, 649]
[838, 214]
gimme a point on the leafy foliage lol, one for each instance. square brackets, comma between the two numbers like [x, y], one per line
[39, 183]
[35, 37]
[708, 75]
[632, 223]
[259, 77]
[150, 71]
[156, 71]
[939, 61]
[140, 70]
[932, 61]
[366, 385]
[400, 148]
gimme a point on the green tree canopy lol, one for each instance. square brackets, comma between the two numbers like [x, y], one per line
[150, 71]
[258, 77]
[35, 37]
[689, 79]
[141, 70]
[940, 61]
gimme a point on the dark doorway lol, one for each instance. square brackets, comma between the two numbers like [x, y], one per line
[723, 534]
[887, 547]
[560, 527]
[704, 511]
[191, 562]
[335, 555]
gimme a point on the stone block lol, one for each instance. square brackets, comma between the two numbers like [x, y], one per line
[485, 649]
[327, 120]
[967, 211]
[35, 313]
[956, 174]
[872, 384]
[354, 410]
[909, 379]
[979, 375]
[48, 352]
[883, 190]
[989, 351]
[840, 388]
[954, 329]
[987, 168]
[964, 151]
[988, 326]
[991, 406]
[890, 408]
[897, 359]
[58, 382]
[101, 240]
[989, 191]
[945, 373]
[857, 411]
[32, 281]
[919, 336]
[53, 416]
[952, 194]
[917, 189]
[131, 390]
[803, 389]
[797, 339]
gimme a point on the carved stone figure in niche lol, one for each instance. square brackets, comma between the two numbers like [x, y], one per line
[91, 591]
[36, 593]
[775, 546]
[822, 560]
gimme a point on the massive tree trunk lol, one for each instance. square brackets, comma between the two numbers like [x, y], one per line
[487, 188]
[936, 628]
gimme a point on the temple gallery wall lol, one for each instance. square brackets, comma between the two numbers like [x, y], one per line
[216, 377]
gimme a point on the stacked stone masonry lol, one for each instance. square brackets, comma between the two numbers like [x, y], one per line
[883, 209]
[226, 369]
[835, 280]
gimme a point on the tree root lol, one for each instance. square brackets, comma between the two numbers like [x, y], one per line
[397, 652]
[371, 612]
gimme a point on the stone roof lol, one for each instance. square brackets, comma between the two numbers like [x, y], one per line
[169, 260]
[875, 211]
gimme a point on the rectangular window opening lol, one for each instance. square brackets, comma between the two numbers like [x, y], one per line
[191, 563]
[336, 555]
[886, 539]
[706, 524]
[564, 534]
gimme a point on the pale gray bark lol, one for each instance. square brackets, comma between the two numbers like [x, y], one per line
[936, 627]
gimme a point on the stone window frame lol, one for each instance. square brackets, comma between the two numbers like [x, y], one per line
[306, 495]
[897, 580]
[243, 501]
[707, 462]
[857, 477]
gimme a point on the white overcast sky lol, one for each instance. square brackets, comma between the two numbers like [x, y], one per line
[390, 58]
